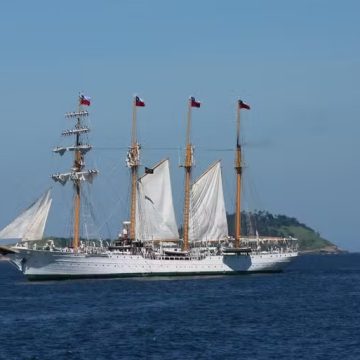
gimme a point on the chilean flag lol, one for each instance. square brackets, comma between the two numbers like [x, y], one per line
[84, 100]
[194, 103]
[139, 101]
[242, 105]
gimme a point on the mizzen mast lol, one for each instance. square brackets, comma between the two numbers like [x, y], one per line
[238, 168]
[188, 166]
[78, 172]
[133, 162]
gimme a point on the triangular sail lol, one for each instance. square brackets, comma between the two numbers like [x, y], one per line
[30, 224]
[207, 207]
[155, 216]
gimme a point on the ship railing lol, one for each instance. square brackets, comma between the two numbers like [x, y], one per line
[185, 258]
[274, 251]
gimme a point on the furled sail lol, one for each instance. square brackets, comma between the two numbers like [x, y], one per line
[82, 148]
[30, 224]
[87, 175]
[155, 216]
[207, 207]
[78, 130]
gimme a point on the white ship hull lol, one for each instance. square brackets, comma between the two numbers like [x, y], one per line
[41, 265]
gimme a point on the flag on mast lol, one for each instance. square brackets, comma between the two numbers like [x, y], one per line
[242, 105]
[84, 100]
[194, 103]
[139, 101]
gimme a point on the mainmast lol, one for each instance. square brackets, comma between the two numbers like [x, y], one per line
[133, 162]
[188, 166]
[238, 168]
[78, 172]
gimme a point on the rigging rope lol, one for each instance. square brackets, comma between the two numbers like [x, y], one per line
[160, 148]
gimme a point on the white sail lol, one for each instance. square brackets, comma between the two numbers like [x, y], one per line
[30, 224]
[155, 216]
[207, 207]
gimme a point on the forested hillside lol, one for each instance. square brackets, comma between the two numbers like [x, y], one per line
[267, 224]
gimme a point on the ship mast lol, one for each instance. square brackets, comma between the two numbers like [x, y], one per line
[238, 168]
[78, 165]
[78, 172]
[133, 162]
[188, 166]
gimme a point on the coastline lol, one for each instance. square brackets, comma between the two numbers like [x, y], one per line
[326, 250]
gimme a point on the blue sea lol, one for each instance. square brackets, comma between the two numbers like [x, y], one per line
[310, 311]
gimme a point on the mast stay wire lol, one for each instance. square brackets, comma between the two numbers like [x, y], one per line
[105, 148]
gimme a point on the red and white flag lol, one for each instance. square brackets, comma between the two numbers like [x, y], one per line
[242, 105]
[194, 103]
[84, 100]
[139, 101]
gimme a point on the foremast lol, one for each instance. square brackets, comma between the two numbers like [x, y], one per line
[188, 166]
[78, 172]
[238, 169]
[133, 162]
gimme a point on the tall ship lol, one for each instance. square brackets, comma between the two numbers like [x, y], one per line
[149, 243]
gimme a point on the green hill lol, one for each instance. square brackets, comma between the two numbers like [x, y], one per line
[282, 226]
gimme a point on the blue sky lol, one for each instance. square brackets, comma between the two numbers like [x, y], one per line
[296, 63]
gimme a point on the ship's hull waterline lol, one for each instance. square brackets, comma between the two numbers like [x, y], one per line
[47, 265]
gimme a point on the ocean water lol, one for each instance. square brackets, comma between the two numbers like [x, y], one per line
[311, 311]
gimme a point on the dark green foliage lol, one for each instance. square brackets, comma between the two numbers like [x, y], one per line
[267, 224]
